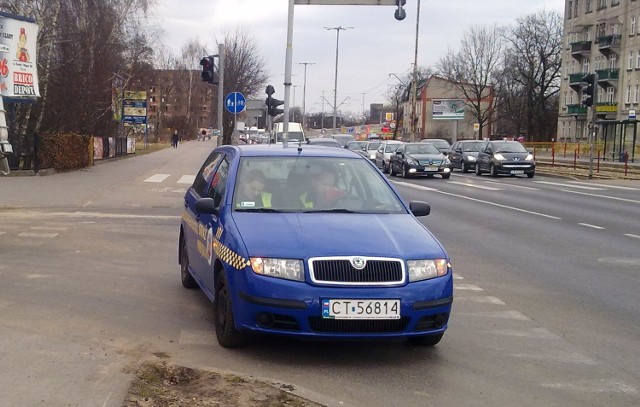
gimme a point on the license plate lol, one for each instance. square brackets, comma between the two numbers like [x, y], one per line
[516, 172]
[432, 168]
[361, 309]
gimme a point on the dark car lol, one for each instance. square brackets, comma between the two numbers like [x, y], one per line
[343, 139]
[464, 154]
[254, 238]
[505, 157]
[419, 159]
[441, 144]
[357, 146]
[324, 141]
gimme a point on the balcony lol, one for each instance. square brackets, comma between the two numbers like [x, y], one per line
[606, 107]
[580, 49]
[608, 76]
[577, 110]
[608, 44]
[575, 80]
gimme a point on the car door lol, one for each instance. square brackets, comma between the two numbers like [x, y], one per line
[380, 155]
[395, 161]
[456, 155]
[208, 224]
[484, 156]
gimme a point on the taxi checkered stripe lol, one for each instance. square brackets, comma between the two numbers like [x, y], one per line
[229, 256]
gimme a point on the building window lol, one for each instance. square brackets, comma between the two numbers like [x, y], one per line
[611, 93]
[575, 8]
[627, 98]
[632, 25]
[569, 10]
[601, 30]
[630, 60]
[589, 6]
[585, 66]
[152, 99]
[602, 4]
[636, 95]
[638, 60]
[615, 2]
[152, 89]
[613, 61]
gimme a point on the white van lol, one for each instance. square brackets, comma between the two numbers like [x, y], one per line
[296, 133]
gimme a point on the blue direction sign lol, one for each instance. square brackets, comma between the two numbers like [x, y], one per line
[235, 102]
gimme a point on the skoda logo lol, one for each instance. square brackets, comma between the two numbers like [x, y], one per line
[358, 263]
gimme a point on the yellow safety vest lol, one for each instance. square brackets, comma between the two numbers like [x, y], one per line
[266, 199]
[305, 202]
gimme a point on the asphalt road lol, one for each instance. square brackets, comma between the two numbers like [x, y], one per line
[545, 312]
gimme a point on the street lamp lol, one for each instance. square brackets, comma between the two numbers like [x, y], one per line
[335, 85]
[304, 91]
[414, 86]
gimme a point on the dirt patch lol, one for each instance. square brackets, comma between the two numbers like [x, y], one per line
[164, 385]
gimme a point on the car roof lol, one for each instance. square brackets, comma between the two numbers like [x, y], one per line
[306, 150]
[393, 141]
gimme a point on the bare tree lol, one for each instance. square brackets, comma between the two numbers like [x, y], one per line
[396, 95]
[534, 63]
[473, 70]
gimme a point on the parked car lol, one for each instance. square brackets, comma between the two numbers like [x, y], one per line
[343, 139]
[419, 159]
[443, 145]
[356, 146]
[324, 141]
[505, 157]
[370, 148]
[383, 155]
[464, 154]
[279, 239]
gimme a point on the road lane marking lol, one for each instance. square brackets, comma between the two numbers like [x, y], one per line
[467, 184]
[187, 179]
[98, 215]
[606, 186]
[482, 300]
[515, 315]
[630, 235]
[469, 287]
[414, 186]
[564, 357]
[457, 277]
[501, 206]
[2, 233]
[569, 185]
[47, 228]
[539, 333]
[513, 185]
[157, 178]
[603, 196]
[591, 226]
[593, 386]
[38, 235]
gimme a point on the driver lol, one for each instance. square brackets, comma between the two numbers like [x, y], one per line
[322, 193]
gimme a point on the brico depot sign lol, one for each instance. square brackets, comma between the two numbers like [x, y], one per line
[18, 68]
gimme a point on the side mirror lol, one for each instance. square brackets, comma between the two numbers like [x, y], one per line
[398, 152]
[206, 205]
[419, 208]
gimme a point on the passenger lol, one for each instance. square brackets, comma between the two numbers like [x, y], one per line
[323, 193]
[251, 193]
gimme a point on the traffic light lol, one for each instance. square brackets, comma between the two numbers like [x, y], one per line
[588, 92]
[272, 104]
[207, 69]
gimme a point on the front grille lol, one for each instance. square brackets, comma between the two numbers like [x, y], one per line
[319, 324]
[432, 162]
[341, 270]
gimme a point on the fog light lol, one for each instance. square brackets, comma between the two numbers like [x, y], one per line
[412, 170]
[447, 170]
[265, 320]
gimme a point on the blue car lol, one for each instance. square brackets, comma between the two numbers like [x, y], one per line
[311, 242]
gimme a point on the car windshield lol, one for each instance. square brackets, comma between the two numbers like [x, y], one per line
[325, 142]
[421, 148]
[373, 145]
[390, 148]
[343, 139]
[510, 147]
[355, 145]
[471, 147]
[312, 184]
[293, 135]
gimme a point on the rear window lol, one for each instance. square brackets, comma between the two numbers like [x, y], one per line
[390, 148]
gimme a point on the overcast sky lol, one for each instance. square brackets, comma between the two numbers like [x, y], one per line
[377, 45]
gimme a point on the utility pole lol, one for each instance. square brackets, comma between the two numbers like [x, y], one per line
[414, 85]
[335, 85]
[322, 126]
[304, 92]
[363, 119]
[220, 92]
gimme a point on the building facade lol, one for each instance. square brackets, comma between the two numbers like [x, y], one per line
[601, 37]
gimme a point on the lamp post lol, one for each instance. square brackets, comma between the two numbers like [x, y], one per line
[304, 92]
[414, 86]
[335, 85]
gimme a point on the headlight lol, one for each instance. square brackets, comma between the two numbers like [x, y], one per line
[529, 158]
[499, 157]
[426, 269]
[281, 268]
[471, 158]
[372, 156]
[412, 161]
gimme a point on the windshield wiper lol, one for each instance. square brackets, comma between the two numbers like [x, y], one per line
[269, 210]
[335, 210]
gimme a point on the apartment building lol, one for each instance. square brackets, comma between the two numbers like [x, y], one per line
[601, 37]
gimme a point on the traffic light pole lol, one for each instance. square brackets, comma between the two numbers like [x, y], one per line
[594, 118]
[220, 92]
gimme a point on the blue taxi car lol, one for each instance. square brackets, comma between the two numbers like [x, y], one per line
[311, 242]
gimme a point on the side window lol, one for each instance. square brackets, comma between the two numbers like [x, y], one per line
[219, 183]
[200, 183]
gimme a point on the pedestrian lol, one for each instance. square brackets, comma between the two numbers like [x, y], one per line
[174, 139]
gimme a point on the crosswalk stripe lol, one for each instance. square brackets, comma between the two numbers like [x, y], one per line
[46, 235]
[157, 178]
[187, 179]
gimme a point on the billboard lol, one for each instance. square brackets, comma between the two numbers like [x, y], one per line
[448, 109]
[135, 108]
[18, 62]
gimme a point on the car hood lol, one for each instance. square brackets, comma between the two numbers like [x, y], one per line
[514, 156]
[470, 153]
[304, 235]
[423, 157]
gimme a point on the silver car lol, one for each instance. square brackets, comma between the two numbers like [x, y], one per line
[383, 155]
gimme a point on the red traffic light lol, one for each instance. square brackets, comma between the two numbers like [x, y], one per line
[207, 69]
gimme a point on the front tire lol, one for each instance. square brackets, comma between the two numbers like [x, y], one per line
[226, 332]
[427, 340]
[185, 276]
[493, 170]
[391, 171]
[530, 174]
[446, 175]
[463, 167]
[385, 168]
[478, 172]
[405, 174]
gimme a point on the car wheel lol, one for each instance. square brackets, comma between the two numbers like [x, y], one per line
[463, 167]
[493, 170]
[405, 174]
[391, 171]
[226, 332]
[187, 279]
[385, 169]
[478, 172]
[427, 340]
[530, 174]
[446, 175]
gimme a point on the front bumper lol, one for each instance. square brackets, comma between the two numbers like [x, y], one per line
[515, 167]
[271, 305]
[415, 169]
